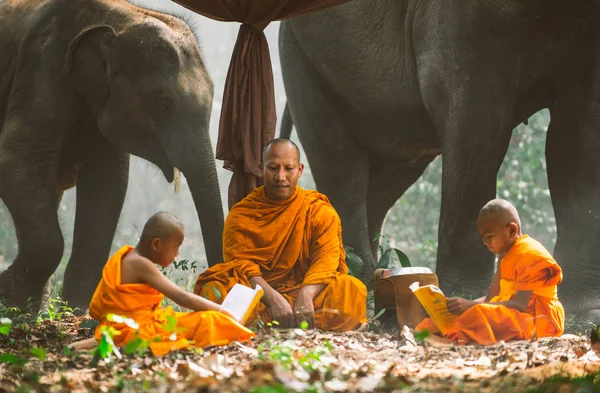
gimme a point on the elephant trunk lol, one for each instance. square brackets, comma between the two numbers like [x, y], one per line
[204, 186]
[197, 162]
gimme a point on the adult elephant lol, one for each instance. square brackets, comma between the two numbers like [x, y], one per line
[83, 84]
[378, 88]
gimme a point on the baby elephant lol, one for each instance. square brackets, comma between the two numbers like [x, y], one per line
[83, 84]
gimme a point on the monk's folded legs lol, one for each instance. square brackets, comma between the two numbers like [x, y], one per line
[342, 305]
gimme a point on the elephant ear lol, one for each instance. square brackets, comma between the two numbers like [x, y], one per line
[88, 62]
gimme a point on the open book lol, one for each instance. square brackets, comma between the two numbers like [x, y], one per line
[242, 300]
[434, 302]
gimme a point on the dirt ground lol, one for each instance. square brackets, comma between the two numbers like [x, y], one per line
[299, 360]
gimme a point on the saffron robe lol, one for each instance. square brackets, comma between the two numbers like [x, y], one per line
[289, 243]
[527, 266]
[141, 303]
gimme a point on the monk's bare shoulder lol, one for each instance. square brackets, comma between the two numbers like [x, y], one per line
[135, 268]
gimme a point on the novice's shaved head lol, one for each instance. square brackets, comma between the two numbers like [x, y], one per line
[161, 225]
[501, 211]
[499, 225]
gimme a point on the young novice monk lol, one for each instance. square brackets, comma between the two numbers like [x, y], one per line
[522, 299]
[132, 286]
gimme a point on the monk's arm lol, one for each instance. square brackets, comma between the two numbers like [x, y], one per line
[519, 302]
[280, 308]
[458, 305]
[148, 273]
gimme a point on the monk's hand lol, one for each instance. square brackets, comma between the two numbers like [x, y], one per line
[458, 305]
[225, 311]
[281, 310]
[304, 310]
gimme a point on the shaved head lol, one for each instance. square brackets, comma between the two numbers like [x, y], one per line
[161, 225]
[500, 211]
[279, 142]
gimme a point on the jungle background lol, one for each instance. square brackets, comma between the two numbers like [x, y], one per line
[411, 225]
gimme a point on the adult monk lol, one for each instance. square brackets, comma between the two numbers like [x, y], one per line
[132, 286]
[289, 241]
[522, 299]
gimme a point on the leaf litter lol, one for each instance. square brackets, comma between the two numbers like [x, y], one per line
[298, 360]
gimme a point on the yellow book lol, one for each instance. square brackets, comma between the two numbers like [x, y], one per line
[242, 300]
[434, 302]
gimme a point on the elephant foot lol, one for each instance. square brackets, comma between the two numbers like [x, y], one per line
[78, 296]
[18, 290]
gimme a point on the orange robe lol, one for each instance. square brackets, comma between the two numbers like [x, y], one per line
[141, 303]
[527, 266]
[290, 244]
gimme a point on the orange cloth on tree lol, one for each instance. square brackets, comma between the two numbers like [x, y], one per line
[527, 266]
[289, 243]
[141, 303]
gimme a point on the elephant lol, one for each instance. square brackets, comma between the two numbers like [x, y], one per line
[378, 88]
[84, 84]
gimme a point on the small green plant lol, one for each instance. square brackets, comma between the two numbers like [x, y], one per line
[106, 346]
[5, 326]
[38, 352]
[292, 356]
[390, 256]
[57, 310]
[137, 346]
[354, 262]
[185, 265]
[13, 360]
[278, 388]
[421, 335]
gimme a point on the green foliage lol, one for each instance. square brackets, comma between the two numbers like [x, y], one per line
[57, 310]
[39, 353]
[137, 346]
[5, 326]
[420, 336]
[354, 262]
[185, 265]
[304, 325]
[13, 360]
[564, 383]
[292, 356]
[278, 388]
[106, 346]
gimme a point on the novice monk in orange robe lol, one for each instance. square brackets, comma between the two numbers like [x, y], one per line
[522, 299]
[288, 240]
[132, 286]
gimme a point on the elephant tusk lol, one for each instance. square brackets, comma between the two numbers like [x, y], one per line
[176, 178]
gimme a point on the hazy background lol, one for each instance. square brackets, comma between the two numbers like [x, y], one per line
[411, 224]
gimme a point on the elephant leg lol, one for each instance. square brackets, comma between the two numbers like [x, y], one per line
[101, 189]
[474, 118]
[30, 196]
[388, 181]
[572, 147]
[50, 284]
[325, 128]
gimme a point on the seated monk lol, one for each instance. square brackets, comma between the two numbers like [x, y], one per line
[522, 298]
[132, 286]
[289, 241]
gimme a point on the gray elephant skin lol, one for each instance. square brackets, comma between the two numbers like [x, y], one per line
[83, 84]
[378, 88]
